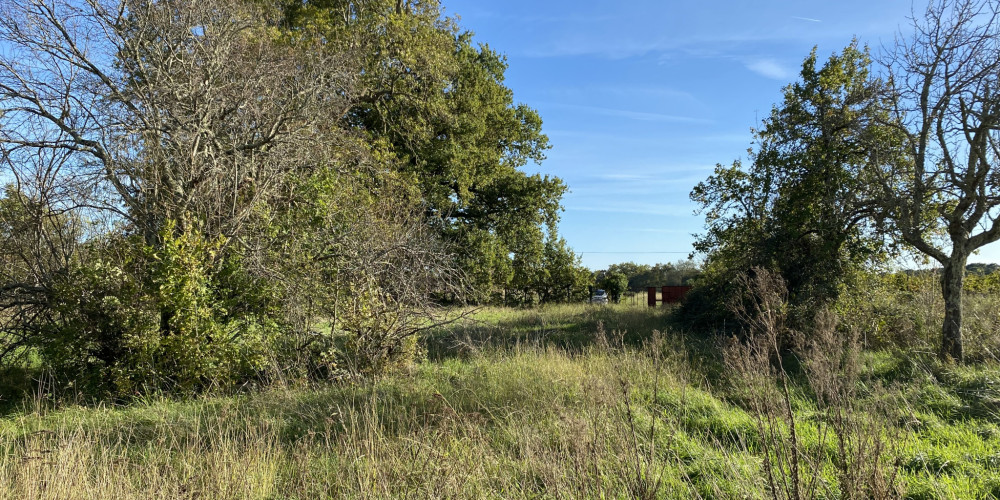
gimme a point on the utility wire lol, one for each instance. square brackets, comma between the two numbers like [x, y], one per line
[581, 253]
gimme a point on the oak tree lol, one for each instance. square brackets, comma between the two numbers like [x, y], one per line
[438, 101]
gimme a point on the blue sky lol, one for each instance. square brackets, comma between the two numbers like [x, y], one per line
[642, 98]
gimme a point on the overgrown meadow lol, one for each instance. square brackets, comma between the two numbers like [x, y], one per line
[563, 401]
[242, 246]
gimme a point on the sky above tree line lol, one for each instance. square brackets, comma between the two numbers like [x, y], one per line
[642, 98]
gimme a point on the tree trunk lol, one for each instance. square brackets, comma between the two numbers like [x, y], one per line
[951, 287]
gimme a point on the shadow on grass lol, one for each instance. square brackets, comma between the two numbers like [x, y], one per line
[565, 326]
[17, 385]
[573, 328]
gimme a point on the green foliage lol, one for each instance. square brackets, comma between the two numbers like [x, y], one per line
[985, 284]
[566, 278]
[180, 317]
[643, 276]
[199, 341]
[364, 274]
[800, 208]
[100, 312]
[615, 283]
[903, 310]
[453, 129]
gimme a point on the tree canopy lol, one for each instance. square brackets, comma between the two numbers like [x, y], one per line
[802, 206]
[438, 104]
[197, 185]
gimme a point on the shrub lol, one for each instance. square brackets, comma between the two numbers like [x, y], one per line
[615, 283]
[904, 311]
[179, 316]
[98, 310]
[199, 341]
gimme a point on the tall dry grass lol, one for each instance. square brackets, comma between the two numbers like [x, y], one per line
[623, 413]
[528, 424]
[850, 434]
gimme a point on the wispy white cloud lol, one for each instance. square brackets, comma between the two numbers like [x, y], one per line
[625, 44]
[618, 46]
[659, 92]
[671, 28]
[664, 187]
[769, 68]
[475, 12]
[574, 139]
[575, 46]
[623, 177]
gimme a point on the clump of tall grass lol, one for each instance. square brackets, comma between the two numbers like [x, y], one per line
[852, 438]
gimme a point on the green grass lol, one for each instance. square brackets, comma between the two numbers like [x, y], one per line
[568, 326]
[511, 404]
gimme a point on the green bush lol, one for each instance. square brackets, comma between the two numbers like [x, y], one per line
[98, 311]
[199, 341]
[180, 316]
[615, 283]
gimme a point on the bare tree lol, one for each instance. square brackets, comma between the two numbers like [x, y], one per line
[188, 110]
[376, 274]
[944, 199]
[39, 237]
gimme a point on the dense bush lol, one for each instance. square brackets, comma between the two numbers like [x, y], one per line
[615, 283]
[180, 316]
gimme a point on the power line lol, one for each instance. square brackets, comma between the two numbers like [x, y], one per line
[581, 253]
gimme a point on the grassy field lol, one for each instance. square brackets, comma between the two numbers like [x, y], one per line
[561, 402]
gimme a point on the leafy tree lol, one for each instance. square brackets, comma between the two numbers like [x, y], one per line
[439, 102]
[615, 283]
[206, 146]
[943, 200]
[567, 278]
[179, 140]
[630, 269]
[981, 269]
[643, 276]
[800, 207]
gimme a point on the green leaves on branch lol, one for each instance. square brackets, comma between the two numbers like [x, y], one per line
[803, 206]
[453, 129]
[173, 317]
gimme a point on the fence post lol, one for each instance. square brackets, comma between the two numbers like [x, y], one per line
[651, 296]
